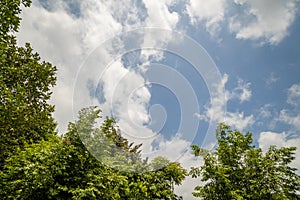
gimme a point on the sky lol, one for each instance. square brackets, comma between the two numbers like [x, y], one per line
[170, 71]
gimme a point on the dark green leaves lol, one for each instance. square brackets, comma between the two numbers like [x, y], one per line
[25, 88]
[9, 14]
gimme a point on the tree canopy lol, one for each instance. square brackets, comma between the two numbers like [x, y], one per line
[239, 170]
[25, 87]
[62, 168]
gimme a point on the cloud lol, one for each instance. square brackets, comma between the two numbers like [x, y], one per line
[266, 139]
[271, 79]
[239, 120]
[265, 111]
[241, 92]
[159, 14]
[216, 113]
[267, 21]
[266, 116]
[210, 12]
[294, 95]
[187, 187]
[67, 41]
[292, 116]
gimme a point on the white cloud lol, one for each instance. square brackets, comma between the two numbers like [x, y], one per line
[266, 20]
[294, 95]
[216, 112]
[241, 92]
[66, 41]
[188, 160]
[292, 116]
[266, 139]
[210, 12]
[159, 14]
[265, 111]
[239, 120]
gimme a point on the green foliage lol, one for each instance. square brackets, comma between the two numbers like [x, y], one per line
[106, 142]
[9, 13]
[62, 168]
[25, 83]
[238, 170]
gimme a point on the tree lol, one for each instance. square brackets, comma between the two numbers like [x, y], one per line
[25, 84]
[63, 168]
[239, 170]
[9, 13]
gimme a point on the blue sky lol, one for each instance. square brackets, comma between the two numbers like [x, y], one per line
[169, 71]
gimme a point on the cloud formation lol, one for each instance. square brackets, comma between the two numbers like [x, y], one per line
[267, 21]
[210, 12]
[216, 113]
[292, 116]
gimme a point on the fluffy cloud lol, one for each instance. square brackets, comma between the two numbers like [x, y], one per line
[67, 41]
[241, 92]
[294, 95]
[159, 14]
[185, 190]
[292, 117]
[280, 140]
[210, 12]
[266, 20]
[216, 113]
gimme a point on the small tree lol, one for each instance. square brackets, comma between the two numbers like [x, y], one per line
[239, 170]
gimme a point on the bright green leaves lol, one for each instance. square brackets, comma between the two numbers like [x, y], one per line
[238, 170]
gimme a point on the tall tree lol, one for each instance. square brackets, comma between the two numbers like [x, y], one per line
[239, 170]
[25, 84]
